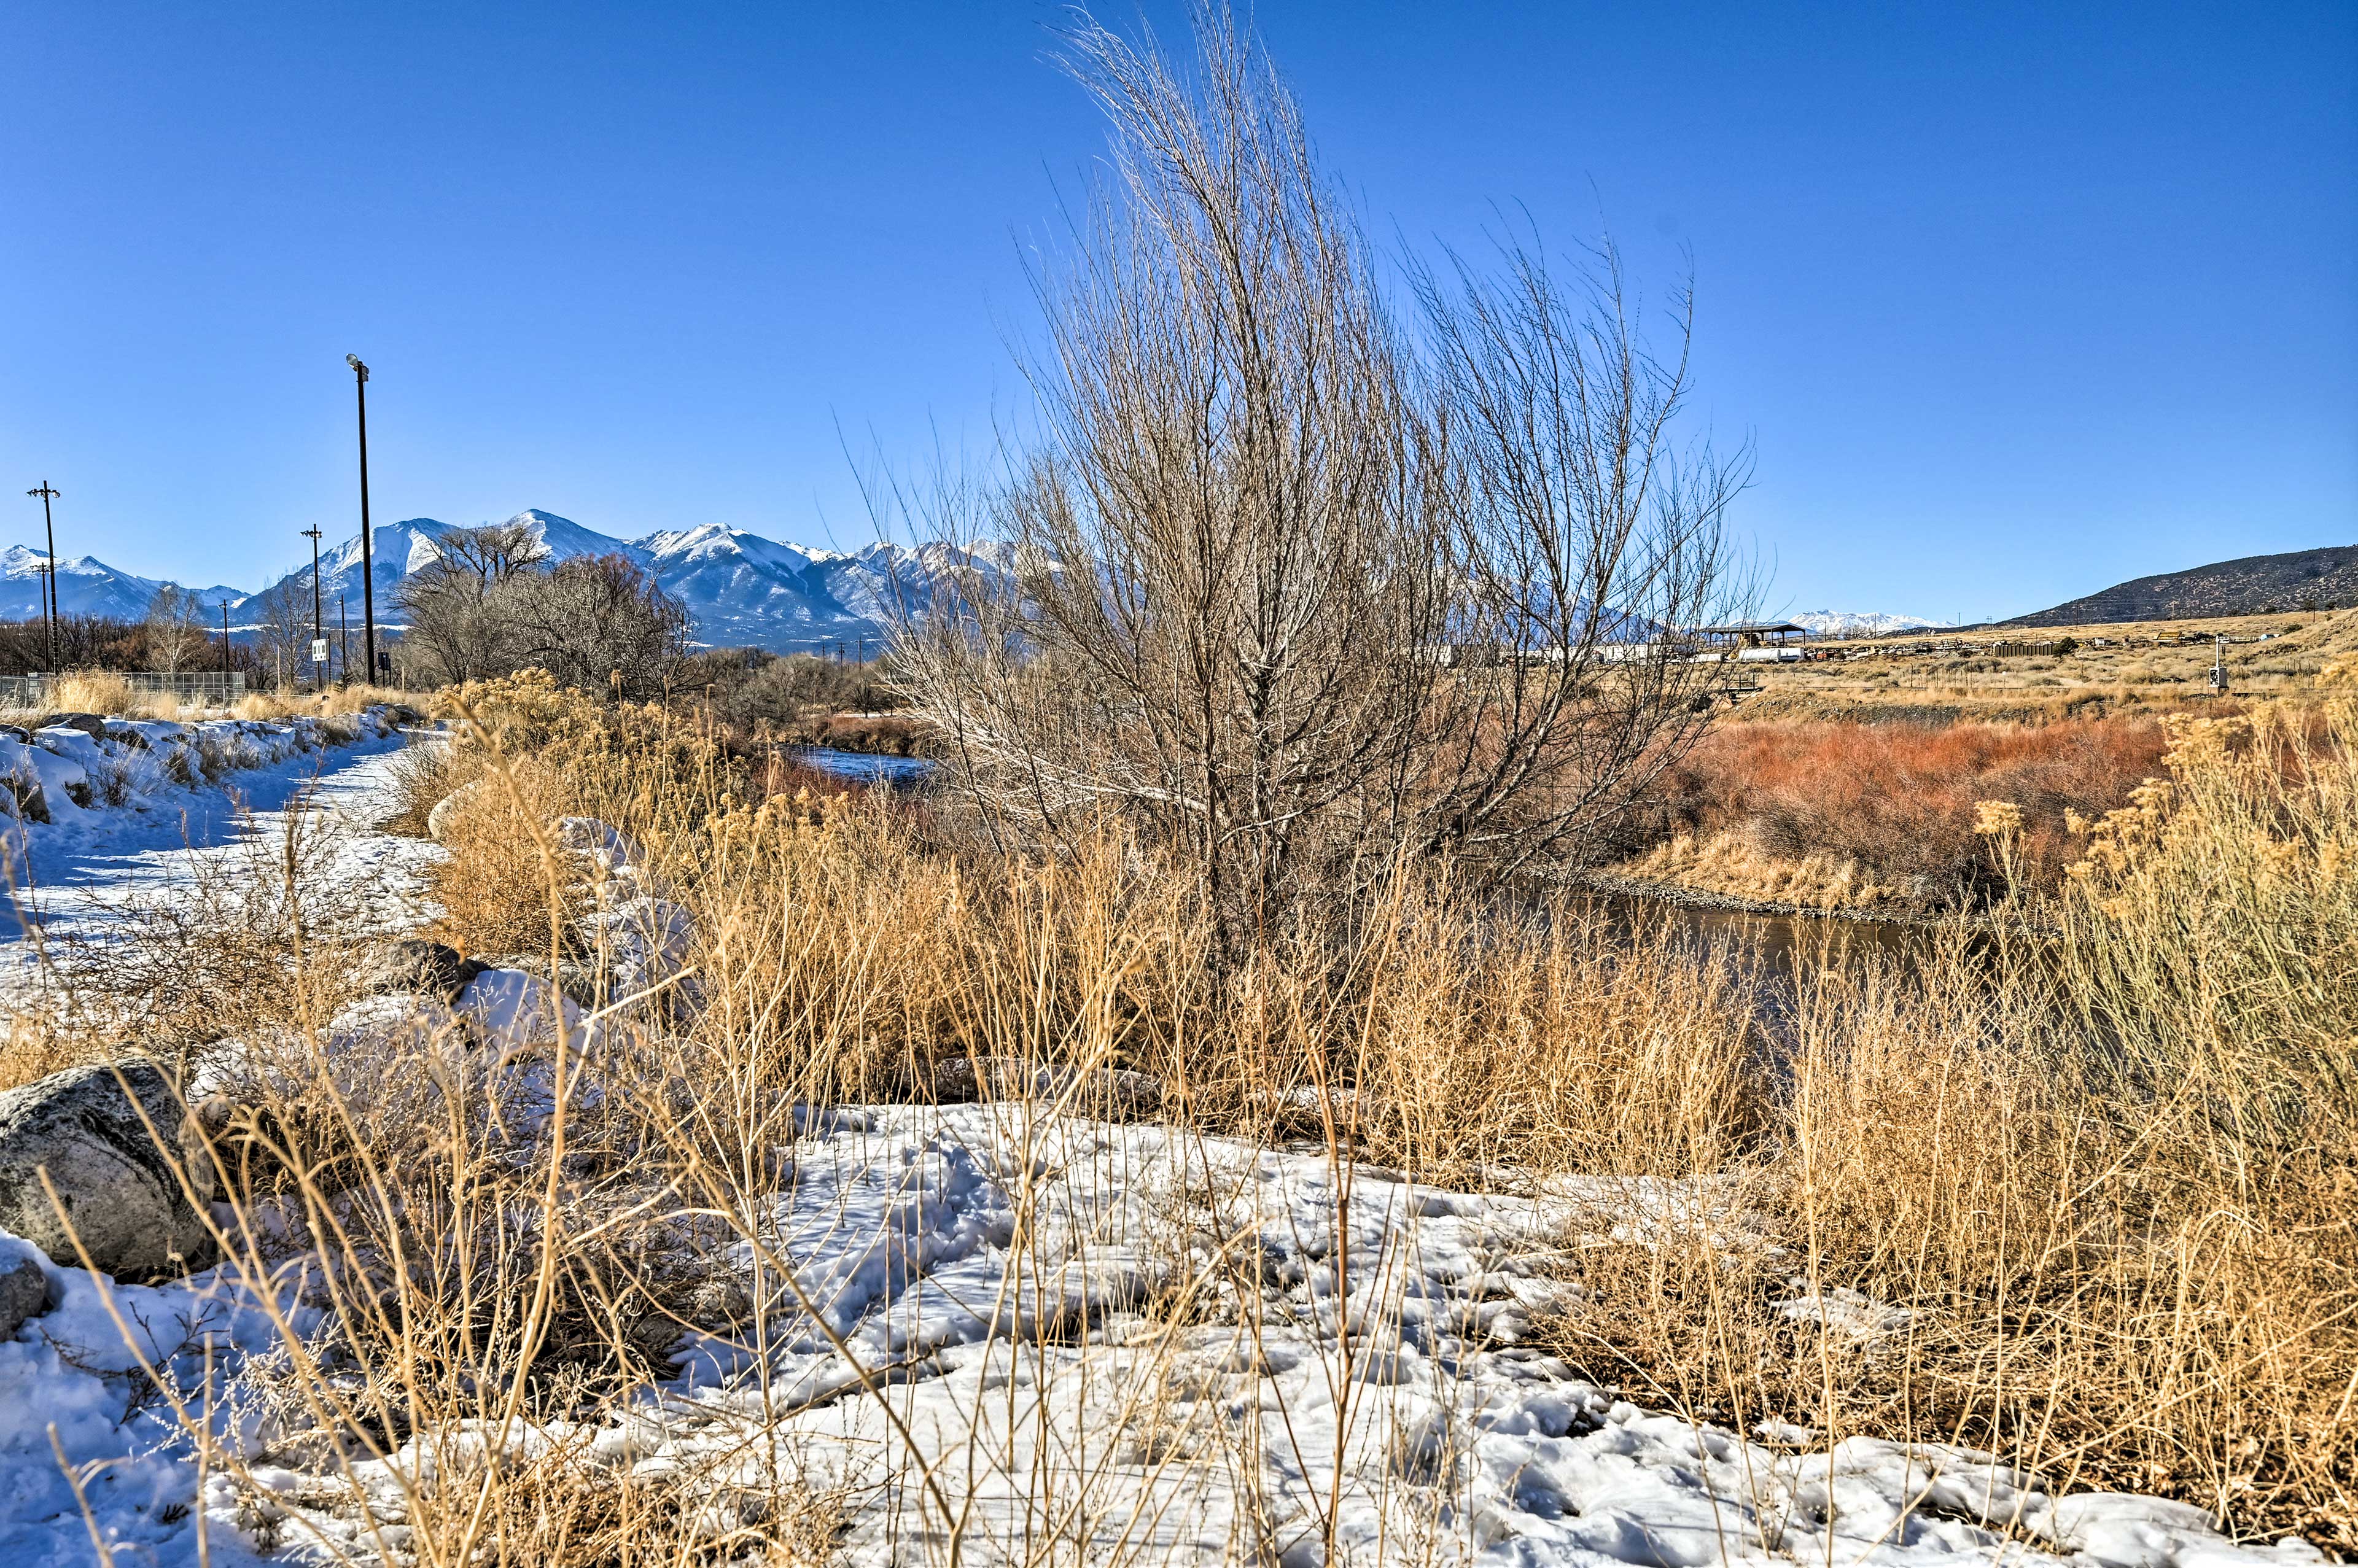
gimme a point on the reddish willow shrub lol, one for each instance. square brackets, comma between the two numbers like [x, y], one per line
[1900, 797]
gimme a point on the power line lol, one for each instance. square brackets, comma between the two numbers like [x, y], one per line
[319, 633]
[49, 594]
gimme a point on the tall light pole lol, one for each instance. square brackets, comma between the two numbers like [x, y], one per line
[50, 573]
[368, 558]
[319, 674]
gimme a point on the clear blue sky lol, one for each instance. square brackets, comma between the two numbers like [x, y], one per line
[2015, 300]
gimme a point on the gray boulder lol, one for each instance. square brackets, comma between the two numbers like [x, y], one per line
[116, 1186]
[90, 724]
[437, 821]
[24, 1286]
[26, 800]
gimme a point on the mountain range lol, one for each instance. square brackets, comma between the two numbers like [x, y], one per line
[741, 590]
[1855, 623]
[86, 586]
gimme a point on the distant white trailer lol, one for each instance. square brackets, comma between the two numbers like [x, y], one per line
[1642, 653]
[1769, 656]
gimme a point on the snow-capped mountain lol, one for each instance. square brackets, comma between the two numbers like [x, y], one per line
[741, 588]
[744, 590]
[86, 586]
[401, 549]
[1857, 622]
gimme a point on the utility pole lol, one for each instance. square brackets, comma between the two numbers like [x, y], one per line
[50, 573]
[225, 648]
[344, 639]
[319, 674]
[368, 559]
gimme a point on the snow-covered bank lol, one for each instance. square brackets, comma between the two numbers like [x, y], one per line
[1041, 1302]
[76, 776]
[86, 820]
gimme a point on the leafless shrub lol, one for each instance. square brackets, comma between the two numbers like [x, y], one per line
[1305, 598]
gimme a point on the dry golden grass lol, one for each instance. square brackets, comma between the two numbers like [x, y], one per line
[2144, 667]
[493, 890]
[253, 945]
[851, 953]
[34, 1047]
[94, 691]
[286, 703]
[1730, 863]
[2088, 1208]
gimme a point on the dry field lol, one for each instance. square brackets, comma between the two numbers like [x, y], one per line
[2142, 667]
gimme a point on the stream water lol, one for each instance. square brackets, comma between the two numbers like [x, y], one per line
[865, 767]
[1782, 946]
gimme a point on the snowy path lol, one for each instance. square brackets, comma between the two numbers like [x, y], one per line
[75, 880]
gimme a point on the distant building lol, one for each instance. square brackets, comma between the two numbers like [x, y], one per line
[1754, 633]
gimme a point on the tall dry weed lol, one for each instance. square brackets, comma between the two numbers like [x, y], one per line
[2044, 1206]
[2088, 1205]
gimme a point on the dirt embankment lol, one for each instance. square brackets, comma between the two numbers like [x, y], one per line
[875, 734]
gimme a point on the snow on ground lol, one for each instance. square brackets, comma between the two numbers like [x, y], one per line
[73, 875]
[1009, 1284]
[1358, 1380]
[72, 1386]
[1080, 1341]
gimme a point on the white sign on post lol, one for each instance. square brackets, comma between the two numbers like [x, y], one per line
[319, 650]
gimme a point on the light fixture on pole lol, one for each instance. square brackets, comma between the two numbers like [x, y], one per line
[368, 558]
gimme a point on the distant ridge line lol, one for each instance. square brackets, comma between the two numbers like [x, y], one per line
[2326, 578]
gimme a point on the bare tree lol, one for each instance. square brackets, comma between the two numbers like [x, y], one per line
[596, 622]
[490, 604]
[282, 630]
[1299, 591]
[1228, 568]
[457, 629]
[1592, 541]
[175, 630]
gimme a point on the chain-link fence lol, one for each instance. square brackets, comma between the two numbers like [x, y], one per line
[190, 688]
